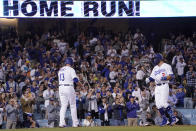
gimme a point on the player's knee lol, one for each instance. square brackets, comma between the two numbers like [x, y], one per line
[73, 105]
[64, 106]
[158, 105]
[166, 106]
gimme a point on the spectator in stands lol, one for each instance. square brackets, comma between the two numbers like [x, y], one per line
[115, 92]
[180, 96]
[26, 66]
[99, 48]
[154, 111]
[39, 99]
[132, 108]
[176, 58]
[109, 97]
[92, 105]
[104, 111]
[11, 84]
[80, 101]
[118, 113]
[144, 104]
[137, 94]
[30, 123]
[178, 117]
[27, 102]
[172, 100]
[149, 120]
[191, 81]
[11, 113]
[180, 69]
[34, 87]
[113, 75]
[2, 100]
[51, 113]
[2, 74]
[111, 51]
[88, 122]
[47, 94]
[194, 99]
[2, 89]
[140, 76]
[158, 119]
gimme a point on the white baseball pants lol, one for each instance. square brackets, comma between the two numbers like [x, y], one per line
[67, 96]
[161, 96]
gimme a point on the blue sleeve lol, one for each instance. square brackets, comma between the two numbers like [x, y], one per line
[129, 107]
[109, 108]
[101, 110]
[75, 80]
[151, 79]
[138, 107]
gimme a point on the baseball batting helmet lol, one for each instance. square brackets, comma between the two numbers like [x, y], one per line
[69, 61]
[157, 58]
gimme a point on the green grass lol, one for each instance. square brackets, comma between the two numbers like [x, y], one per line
[152, 128]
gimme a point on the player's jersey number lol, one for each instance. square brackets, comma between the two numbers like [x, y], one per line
[61, 77]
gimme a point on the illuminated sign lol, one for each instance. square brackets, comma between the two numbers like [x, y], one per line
[96, 9]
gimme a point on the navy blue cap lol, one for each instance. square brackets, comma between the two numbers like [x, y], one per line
[180, 86]
[131, 97]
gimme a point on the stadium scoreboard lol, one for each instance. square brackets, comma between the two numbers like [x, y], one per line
[96, 9]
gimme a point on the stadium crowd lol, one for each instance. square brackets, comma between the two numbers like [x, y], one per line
[114, 68]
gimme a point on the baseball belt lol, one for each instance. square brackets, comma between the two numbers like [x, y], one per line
[66, 85]
[160, 84]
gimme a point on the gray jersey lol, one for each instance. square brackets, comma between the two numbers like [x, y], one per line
[11, 113]
[51, 109]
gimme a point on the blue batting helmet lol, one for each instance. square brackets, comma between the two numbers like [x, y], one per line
[69, 61]
[157, 58]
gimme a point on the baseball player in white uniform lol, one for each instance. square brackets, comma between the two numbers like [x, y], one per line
[161, 74]
[67, 77]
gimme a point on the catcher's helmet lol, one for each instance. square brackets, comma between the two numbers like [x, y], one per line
[69, 61]
[157, 58]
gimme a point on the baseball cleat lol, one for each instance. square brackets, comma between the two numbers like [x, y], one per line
[164, 122]
[62, 126]
[173, 122]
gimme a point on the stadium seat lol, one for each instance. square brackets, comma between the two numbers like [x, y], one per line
[126, 122]
[188, 103]
[82, 122]
[37, 116]
[43, 123]
[97, 122]
[111, 122]
[68, 118]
